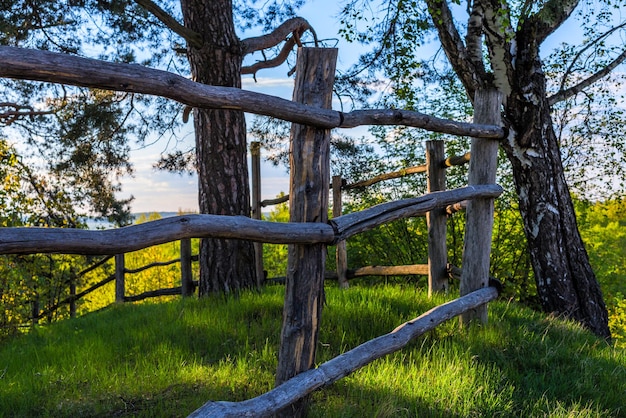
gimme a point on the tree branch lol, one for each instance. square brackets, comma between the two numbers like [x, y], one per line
[589, 45]
[567, 93]
[550, 17]
[193, 38]
[471, 75]
[501, 44]
[296, 26]
[16, 111]
[271, 63]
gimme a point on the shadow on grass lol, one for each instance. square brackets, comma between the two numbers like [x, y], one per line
[168, 359]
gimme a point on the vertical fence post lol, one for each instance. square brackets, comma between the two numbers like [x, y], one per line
[308, 202]
[341, 256]
[119, 278]
[35, 307]
[479, 213]
[72, 300]
[255, 152]
[186, 277]
[436, 220]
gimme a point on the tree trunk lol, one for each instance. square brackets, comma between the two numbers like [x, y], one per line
[565, 281]
[225, 265]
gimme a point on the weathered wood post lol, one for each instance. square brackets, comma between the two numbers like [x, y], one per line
[186, 276]
[255, 152]
[34, 305]
[341, 255]
[308, 202]
[120, 269]
[479, 214]
[73, 300]
[436, 220]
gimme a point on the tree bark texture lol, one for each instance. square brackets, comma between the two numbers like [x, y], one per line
[221, 149]
[309, 185]
[566, 283]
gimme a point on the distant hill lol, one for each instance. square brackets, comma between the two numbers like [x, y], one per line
[99, 223]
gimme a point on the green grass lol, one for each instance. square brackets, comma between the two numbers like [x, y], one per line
[167, 359]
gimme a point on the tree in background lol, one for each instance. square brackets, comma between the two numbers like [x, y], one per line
[84, 135]
[31, 284]
[499, 46]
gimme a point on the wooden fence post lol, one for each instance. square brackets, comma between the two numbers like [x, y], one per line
[341, 256]
[308, 202]
[479, 214]
[73, 300]
[255, 152]
[186, 276]
[436, 220]
[35, 308]
[119, 278]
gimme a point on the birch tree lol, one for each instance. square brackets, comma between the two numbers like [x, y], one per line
[497, 43]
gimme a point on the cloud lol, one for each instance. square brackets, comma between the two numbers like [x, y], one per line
[266, 82]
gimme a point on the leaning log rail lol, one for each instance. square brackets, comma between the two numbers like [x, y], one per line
[327, 373]
[31, 240]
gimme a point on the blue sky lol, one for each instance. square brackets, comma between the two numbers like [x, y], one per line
[159, 191]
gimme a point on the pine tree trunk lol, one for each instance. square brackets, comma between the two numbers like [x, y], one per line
[566, 284]
[221, 149]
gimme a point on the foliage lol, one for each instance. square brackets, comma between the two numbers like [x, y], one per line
[590, 126]
[36, 284]
[169, 358]
[275, 255]
[153, 278]
[617, 319]
[602, 229]
[83, 136]
[32, 284]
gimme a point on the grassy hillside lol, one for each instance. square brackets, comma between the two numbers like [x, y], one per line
[166, 359]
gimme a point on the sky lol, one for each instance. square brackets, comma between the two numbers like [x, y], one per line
[158, 191]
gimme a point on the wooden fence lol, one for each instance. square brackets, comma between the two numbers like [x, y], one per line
[437, 269]
[435, 167]
[309, 231]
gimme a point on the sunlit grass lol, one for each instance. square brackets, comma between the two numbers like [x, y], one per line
[167, 359]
